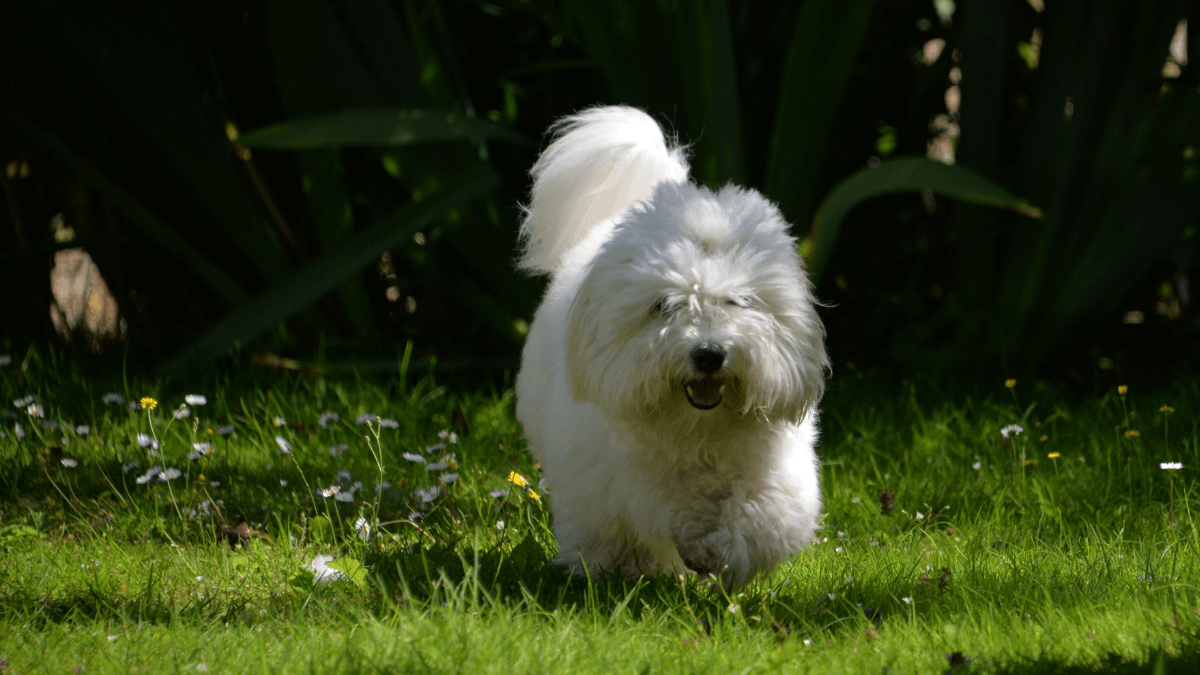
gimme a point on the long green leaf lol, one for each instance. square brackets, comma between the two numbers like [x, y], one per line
[909, 174]
[317, 278]
[140, 217]
[317, 71]
[147, 72]
[820, 59]
[377, 127]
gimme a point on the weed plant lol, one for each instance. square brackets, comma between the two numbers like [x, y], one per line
[292, 522]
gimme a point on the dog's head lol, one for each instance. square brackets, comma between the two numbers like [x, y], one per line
[697, 305]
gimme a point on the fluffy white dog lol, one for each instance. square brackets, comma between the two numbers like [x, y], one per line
[670, 377]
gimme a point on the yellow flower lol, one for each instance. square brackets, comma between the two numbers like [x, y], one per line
[1045, 438]
[1054, 455]
[517, 479]
[148, 403]
[201, 476]
[1166, 409]
[1132, 433]
[1122, 390]
[1030, 462]
[209, 431]
[534, 496]
[1010, 383]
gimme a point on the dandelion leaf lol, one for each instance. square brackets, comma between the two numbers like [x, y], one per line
[355, 571]
[528, 553]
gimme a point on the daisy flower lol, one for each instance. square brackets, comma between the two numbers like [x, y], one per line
[389, 423]
[427, 495]
[448, 478]
[195, 399]
[69, 463]
[225, 430]
[1170, 466]
[328, 419]
[285, 448]
[448, 436]
[1012, 430]
[413, 457]
[363, 528]
[338, 449]
[113, 399]
[322, 572]
[365, 418]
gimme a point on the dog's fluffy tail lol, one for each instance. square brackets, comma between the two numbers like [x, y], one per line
[602, 161]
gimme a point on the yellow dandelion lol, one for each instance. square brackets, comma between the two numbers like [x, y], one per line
[148, 403]
[1132, 433]
[1010, 383]
[534, 496]
[201, 476]
[1054, 455]
[1166, 409]
[1045, 438]
[209, 432]
[517, 479]
[1122, 390]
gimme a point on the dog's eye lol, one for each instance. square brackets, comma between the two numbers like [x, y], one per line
[734, 303]
[657, 308]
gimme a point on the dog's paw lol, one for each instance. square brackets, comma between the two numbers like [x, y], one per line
[717, 557]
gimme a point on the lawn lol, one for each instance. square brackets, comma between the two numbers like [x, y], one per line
[953, 541]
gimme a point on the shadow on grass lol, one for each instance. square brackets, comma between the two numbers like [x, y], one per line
[1157, 663]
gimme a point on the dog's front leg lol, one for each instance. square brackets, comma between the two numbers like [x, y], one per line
[705, 542]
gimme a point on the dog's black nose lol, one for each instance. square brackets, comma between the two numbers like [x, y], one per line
[708, 358]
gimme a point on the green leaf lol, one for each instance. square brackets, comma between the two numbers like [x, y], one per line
[377, 127]
[303, 581]
[320, 529]
[355, 571]
[820, 59]
[301, 289]
[527, 554]
[909, 174]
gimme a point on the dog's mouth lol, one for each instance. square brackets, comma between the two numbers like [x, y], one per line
[705, 392]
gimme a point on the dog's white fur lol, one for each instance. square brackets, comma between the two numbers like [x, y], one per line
[647, 268]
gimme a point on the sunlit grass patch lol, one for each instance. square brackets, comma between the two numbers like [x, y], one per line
[298, 522]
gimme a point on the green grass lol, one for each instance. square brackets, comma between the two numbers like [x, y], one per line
[1055, 565]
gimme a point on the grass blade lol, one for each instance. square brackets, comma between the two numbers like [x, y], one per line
[330, 269]
[377, 127]
[909, 174]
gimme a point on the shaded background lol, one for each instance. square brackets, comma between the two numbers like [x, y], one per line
[166, 204]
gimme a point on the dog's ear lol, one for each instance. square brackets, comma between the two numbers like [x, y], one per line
[810, 361]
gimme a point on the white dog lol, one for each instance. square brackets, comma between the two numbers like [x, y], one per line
[670, 377]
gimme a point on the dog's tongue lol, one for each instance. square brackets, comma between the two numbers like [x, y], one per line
[705, 393]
